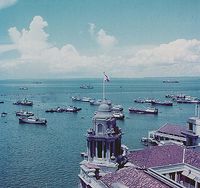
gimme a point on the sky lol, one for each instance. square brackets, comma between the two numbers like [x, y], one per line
[84, 38]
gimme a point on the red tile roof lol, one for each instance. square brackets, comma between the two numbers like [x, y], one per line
[173, 129]
[132, 177]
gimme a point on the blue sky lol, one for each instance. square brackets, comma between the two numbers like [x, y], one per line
[83, 38]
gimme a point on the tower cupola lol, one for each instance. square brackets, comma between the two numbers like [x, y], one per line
[104, 138]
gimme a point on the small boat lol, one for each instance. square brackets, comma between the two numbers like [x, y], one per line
[72, 109]
[188, 101]
[86, 99]
[24, 113]
[170, 81]
[76, 98]
[117, 108]
[58, 109]
[86, 87]
[24, 102]
[51, 110]
[144, 100]
[95, 102]
[1, 102]
[118, 115]
[139, 101]
[4, 114]
[32, 120]
[145, 111]
[23, 88]
[165, 103]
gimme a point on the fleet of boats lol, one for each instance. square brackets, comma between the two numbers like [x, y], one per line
[28, 117]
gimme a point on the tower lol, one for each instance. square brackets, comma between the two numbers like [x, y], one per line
[104, 138]
[104, 151]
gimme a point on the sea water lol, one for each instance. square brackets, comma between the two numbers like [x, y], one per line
[49, 156]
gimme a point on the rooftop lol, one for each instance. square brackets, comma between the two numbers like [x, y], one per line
[173, 129]
[132, 177]
[138, 175]
[165, 155]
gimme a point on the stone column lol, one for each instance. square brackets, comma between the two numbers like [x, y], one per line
[89, 153]
[114, 148]
[103, 149]
[176, 177]
[96, 148]
[108, 152]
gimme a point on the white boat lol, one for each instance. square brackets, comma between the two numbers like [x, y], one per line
[24, 113]
[86, 99]
[72, 109]
[144, 111]
[24, 102]
[32, 120]
[118, 115]
[95, 102]
[117, 108]
[76, 98]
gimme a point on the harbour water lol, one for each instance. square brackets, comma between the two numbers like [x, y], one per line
[49, 156]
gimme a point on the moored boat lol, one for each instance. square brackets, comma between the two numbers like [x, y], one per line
[170, 81]
[23, 88]
[117, 108]
[86, 99]
[95, 102]
[86, 87]
[24, 113]
[188, 101]
[76, 98]
[24, 102]
[118, 115]
[144, 100]
[4, 114]
[72, 109]
[32, 120]
[144, 111]
[164, 103]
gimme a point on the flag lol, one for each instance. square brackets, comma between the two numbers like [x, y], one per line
[106, 78]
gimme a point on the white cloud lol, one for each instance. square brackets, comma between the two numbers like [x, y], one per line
[102, 38]
[6, 3]
[178, 57]
[106, 40]
[92, 29]
[40, 58]
[31, 42]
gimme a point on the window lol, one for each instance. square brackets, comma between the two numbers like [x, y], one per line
[100, 128]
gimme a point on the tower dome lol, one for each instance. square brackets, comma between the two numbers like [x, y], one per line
[104, 107]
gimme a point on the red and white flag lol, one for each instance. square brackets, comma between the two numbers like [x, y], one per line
[106, 78]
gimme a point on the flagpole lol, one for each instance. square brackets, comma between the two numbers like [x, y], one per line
[103, 89]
